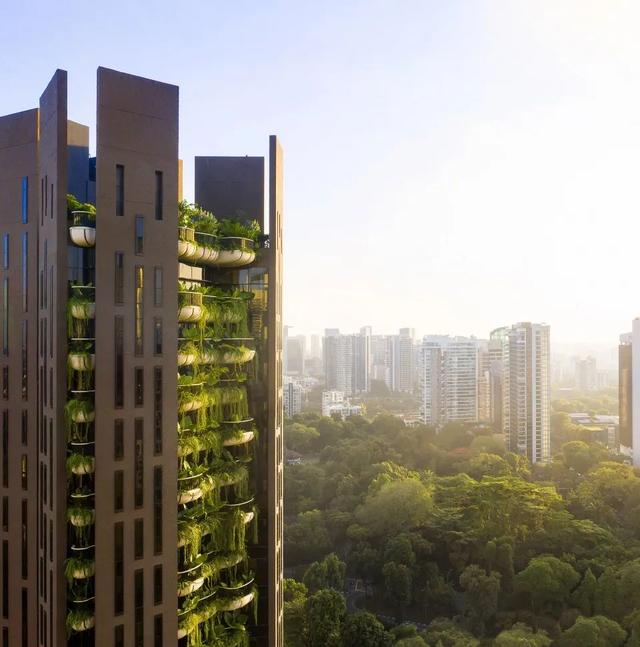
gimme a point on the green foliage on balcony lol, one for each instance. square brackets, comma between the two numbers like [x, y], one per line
[79, 307]
[73, 204]
[80, 464]
[79, 620]
[195, 217]
[74, 566]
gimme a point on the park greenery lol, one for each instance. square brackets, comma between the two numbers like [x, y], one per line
[404, 536]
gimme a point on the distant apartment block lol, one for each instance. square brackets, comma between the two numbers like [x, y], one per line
[347, 361]
[526, 410]
[629, 391]
[404, 365]
[293, 393]
[449, 379]
[586, 374]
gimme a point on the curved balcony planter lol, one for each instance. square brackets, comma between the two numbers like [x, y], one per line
[236, 252]
[187, 314]
[82, 230]
[192, 404]
[187, 496]
[241, 356]
[186, 243]
[189, 306]
[83, 310]
[80, 519]
[81, 465]
[235, 603]
[80, 621]
[190, 586]
[241, 439]
[186, 359]
[80, 414]
[82, 361]
[84, 571]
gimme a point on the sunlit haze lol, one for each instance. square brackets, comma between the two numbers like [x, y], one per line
[451, 166]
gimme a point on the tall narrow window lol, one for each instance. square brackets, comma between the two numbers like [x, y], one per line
[24, 428]
[5, 448]
[157, 630]
[138, 476]
[118, 491]
[138, 597]
[118, 568]
[5, 513]
[119, 362]
[157, 584]
[118, 639]
[118, 284]
[25, 618]
[157, 410]
[139, 239]
[25, 540]
[159, 195]
[138, 379]
[25, 354]
[5, 579]
[24, 202]
[138, 539]
[139, 312]
[25, 271]
[43, 296]
[157, 509]
[157, 286]
[5, 316]
[24, 472]
[157, 336]
[5, 382]
[119, 190]
[118, 439]
[5, 252]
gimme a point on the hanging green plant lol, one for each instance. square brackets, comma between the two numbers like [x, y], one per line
[79, 568]
[80, 464]
[78, 411]
[79, 620]
[81, 310]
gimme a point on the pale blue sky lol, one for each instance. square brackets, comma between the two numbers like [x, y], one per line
[450, 165]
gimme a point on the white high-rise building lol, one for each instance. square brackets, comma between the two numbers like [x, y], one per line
[526, 418]
[292, 397]
[404, 367]
[382, 359]
[449, 379]
[484, 382]
[347, 360]
[586, 373]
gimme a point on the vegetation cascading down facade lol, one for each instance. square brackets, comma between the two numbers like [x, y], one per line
[217, 515]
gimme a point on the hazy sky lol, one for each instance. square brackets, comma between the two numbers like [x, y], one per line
[450, 165]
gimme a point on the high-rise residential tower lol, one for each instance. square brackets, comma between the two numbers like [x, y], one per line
[526, 390]
[625, 389]
[141, 463]
[449, 379]
[404, 365]
[347, 361]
